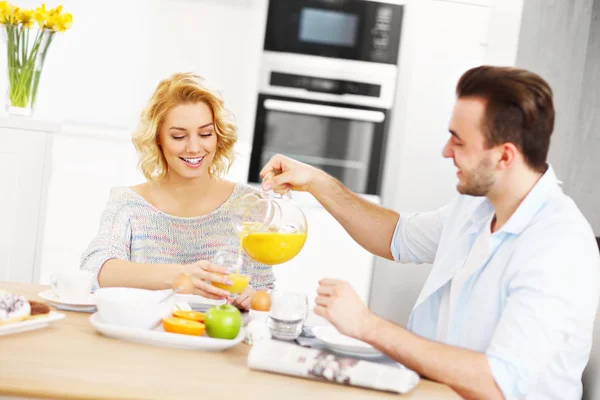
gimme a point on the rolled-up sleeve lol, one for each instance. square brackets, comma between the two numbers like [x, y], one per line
[113, 239]
[551, 302]
[417, 236]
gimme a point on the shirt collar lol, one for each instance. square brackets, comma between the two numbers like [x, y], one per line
[532, 203]
[480, 216]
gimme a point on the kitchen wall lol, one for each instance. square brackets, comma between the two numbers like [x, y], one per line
[582, 180]
[553, 29]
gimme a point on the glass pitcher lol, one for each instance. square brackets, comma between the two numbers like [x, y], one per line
[271, 227]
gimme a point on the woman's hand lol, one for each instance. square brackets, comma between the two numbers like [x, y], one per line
[202, 271]
[243, 300]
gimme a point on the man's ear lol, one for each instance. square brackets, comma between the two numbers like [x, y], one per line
[508, 155]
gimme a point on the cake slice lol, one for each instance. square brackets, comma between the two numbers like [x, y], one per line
[13, 308]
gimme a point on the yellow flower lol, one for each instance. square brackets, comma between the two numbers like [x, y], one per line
[5, 11]
[12, 17]
[52, 19]
[64, 22]
[26, 18]
[50, 22]
[55, 11]
[40, 15]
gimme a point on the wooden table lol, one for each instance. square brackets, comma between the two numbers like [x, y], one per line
[69, 359]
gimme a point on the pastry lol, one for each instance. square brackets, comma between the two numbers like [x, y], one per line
[38, 309]
[13, 308]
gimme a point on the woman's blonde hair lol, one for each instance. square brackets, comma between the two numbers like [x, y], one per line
[182, 88]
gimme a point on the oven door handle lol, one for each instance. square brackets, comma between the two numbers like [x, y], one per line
[354, 114]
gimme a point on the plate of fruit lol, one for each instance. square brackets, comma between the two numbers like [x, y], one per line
[189, 330]
[155, 317]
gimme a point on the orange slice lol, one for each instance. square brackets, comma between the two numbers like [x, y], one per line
[183, 326]
[191, 315]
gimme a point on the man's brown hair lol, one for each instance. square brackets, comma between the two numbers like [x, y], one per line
[518, 109]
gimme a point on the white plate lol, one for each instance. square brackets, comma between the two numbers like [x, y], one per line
[88, 305]
[335, 341]
[30, 324]
[158, 337]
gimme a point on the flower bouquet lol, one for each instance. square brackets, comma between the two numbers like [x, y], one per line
[28, 35]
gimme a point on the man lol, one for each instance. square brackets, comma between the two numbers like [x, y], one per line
[509, 306]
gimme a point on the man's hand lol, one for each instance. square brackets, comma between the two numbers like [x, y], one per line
[466, 371]
[282, 174]
[339, 303]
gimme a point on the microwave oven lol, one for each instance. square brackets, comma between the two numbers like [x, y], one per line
[360, 30]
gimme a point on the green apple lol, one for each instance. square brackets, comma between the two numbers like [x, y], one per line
[223, 321]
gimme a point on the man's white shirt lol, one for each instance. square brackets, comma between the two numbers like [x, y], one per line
[526, 295]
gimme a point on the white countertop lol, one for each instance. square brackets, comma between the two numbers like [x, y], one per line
[28, 123]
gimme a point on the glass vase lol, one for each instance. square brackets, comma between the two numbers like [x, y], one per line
[26, 50]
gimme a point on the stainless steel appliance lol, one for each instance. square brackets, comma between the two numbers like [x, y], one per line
[327, 84]
[345, 29]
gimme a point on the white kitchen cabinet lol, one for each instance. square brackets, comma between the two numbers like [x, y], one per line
[25, 152]
[329, 252]
[87, 163]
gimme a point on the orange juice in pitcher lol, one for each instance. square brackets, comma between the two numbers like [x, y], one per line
[273, 248]
[272, 228]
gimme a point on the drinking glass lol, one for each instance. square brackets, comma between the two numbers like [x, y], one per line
[238, 270]
[287, 315]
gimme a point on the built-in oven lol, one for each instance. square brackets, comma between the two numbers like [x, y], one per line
[359, 30]
[344, 140]
[308, 121]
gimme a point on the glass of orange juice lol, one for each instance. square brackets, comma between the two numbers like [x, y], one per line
[239, 271]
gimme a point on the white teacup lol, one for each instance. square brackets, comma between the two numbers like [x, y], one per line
[73, 286]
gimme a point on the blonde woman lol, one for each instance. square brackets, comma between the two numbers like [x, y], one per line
[177, 220]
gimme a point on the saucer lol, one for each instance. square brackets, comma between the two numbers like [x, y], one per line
[345, 345]
[87, 305]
